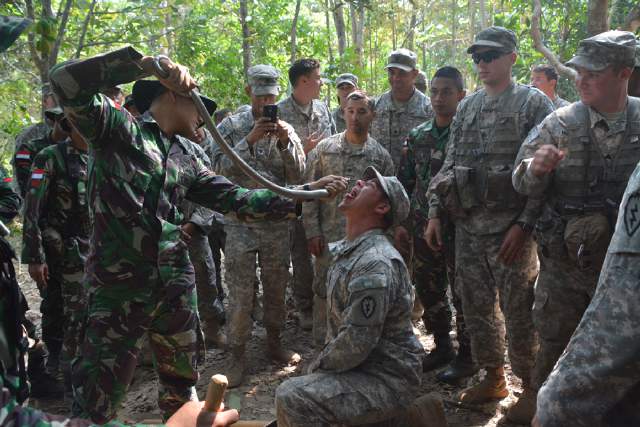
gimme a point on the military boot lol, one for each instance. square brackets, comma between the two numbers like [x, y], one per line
[524, 409]
[43, 383]
[441, 355]
[492, 387]
[279, 354]
[236, 367]
[460, 369]
[214, 335]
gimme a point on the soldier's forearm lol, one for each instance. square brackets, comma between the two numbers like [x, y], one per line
[75, 82]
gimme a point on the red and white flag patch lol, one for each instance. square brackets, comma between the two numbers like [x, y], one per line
[37, 175]
[23, 156]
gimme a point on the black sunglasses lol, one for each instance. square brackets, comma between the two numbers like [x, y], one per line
[487, 56]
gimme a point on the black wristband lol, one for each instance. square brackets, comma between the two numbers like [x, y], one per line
[306, 187]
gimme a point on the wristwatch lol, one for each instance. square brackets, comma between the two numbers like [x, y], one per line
[306, 187]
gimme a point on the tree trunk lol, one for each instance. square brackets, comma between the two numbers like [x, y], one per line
[597, 16]
[338, 21]
[327, 21]
[632, 21]
[540, 47]
[246, 37]
[409, 44]
[357, 30]
[454, 27]
[294, 30]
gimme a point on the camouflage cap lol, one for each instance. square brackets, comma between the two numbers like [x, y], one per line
[394, 191]
[602, 50]
[496, 37]
[347, 78]
[263, 80]
[53, 113]
[403, 59]
[10, 29]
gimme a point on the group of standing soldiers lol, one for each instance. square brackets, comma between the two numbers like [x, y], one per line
[504, 192]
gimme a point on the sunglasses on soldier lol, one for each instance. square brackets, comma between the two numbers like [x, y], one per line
[487, 56]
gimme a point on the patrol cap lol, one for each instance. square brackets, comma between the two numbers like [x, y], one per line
[263, 80]
[348, 78]
[394, 191]
[145, 91]
[10, 29]
[611, 47]
[495, 37]
[403, 59]
[53, 113]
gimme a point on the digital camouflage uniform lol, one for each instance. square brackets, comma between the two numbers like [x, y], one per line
[370, 365]
[269, 240]
[56, 232]
[586, 185]
[334, 156]
[486, 133]
[559, 102]
[139, 276]
[338, 119]
[394, 121]
[422, 158]
[23, 159]
[595, 382]
[321, 123]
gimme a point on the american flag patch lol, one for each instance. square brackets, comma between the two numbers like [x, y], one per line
[23, 155]
[36, 176]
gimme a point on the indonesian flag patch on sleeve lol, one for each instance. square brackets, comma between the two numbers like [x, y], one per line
[37, 175]
[23, 156]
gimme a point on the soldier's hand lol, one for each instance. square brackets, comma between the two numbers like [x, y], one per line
[282, 132]
[262, 127]
[40, 274]
[187, 230]
[179, 79]
[316, 245]
[512, 245]
[433, 234]
[545, 160]
[332, 183]
[310, 142]
[191, 414]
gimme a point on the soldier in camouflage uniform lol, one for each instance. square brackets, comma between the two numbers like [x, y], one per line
[421, 82]
[595, 382]
[401, 108]
[275, 151]
[346, 154]
[496, 265]
[12, 413]
[26, 151]
[40, 129]
[424, 153]
[55, 244]
[579, 160]
[345, 84]
[139, 276]
[312, 121]
[198, 224]
[370, 364]
[545, 78]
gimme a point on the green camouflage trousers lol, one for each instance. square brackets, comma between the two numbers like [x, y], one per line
[118, 315]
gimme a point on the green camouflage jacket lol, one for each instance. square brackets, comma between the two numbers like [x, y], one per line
[139, 177]
[423, 154]
[23, 159]
[54, 210]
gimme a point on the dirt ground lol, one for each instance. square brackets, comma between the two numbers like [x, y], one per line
[255, 398]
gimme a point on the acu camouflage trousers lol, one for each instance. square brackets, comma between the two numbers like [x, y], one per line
[497, 298]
